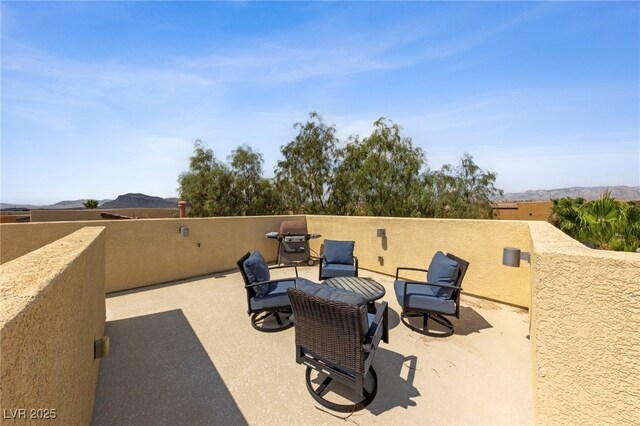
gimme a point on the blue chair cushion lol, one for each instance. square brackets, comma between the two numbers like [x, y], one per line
[339, 251]
[423, 297]
[257, 272]
[338, 270]
[339, 295]
[442, 270]
[276, 296]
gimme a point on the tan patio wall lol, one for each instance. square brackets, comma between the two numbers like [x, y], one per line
[94, 214]
[53, 308]
[145, 252]
[585, 336]
[585, 310]
[413, 242]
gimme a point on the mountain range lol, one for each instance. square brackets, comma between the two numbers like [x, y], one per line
[135, 200]
[620, 192]
[126, 201]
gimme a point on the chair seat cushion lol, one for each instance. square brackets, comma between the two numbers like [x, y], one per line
[338, 295]
[257, 271]
[331, 270]
[276, 296]
[442, 270]
[423, 298]
[339, 252]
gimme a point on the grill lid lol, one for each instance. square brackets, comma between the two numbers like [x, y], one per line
[293, 227]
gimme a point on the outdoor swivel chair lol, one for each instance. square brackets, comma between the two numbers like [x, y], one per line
[434, 298]
[266, 298]
[338, 339]
[338, 260]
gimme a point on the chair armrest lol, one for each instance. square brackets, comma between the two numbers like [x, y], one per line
[285, 266]
[405, 268]
[453, 287]
[355, 264]
[321, 262]
[269, 282]
[376, 332]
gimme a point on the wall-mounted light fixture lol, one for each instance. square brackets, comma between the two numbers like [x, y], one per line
[184, 231]
[511, 256]
[381, 232]
[101, 347]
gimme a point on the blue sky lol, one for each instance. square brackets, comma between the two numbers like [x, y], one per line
[100, 99]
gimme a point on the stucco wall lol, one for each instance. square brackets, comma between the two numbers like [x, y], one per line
[52, 310]
[144, 252]
[585, 331]
[527, 210]
[94, 214]
[413, 242]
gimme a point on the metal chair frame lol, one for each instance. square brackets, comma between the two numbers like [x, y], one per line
[323, 261]
[256, 318]
[427, 314]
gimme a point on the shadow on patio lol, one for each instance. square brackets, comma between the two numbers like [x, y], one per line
[158, 371]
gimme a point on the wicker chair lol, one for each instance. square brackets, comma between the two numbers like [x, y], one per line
[273, 303]
[338, 340]
[431, 299]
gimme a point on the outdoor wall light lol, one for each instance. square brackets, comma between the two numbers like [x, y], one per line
[381, 232]
[184, 231]
[101, 347]
[511, 256]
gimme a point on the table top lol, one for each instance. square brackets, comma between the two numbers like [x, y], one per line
[369, 288]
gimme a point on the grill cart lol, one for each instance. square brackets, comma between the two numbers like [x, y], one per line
[293, 243]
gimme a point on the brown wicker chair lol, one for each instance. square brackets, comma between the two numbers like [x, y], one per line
[331, 339]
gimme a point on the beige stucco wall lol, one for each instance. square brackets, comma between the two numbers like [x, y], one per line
[94, 214]
[52, 310]
[413, 242]
[584, 304]
[585, 331]
[144, 252]
[527, 210]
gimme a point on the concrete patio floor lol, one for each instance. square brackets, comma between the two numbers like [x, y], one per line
[185, 353]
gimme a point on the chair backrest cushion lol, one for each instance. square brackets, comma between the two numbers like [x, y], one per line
[324, 291]
[442, 270]
[339, 251]
[257, 271]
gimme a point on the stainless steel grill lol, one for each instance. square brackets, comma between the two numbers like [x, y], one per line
[293, 243]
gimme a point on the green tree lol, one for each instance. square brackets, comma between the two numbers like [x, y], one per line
[90, 204]
[304, 176]
[206, 185]
[465, 191]
[605, 223]
[251, 194]
[379, 175]
[567, 215]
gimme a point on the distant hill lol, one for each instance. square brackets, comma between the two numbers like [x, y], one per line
[630, 193]
[128, 201]
[71, 204]
[135, 200]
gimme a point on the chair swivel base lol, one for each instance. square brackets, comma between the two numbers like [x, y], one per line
[264, 321]
[404, 317]
[369, 394]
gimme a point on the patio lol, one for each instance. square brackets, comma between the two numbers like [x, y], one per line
[185, 353]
